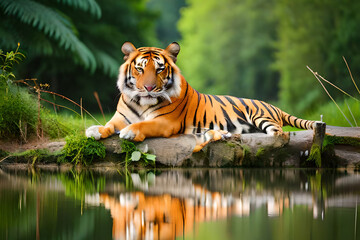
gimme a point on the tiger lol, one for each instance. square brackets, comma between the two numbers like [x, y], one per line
[157, 101]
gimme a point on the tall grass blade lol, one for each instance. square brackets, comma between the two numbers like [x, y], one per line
[352, 79]
[96, 95]
[62, 96]
[316, 76]
[351, 113]
[347, 94]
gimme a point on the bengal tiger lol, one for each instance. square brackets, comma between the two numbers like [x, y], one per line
[157, 101]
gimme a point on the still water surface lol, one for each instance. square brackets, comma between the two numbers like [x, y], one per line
[179, 204]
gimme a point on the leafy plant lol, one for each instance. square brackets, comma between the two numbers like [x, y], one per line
[21, 114]
[17, 107]
[8, 60]
[134, 154]
[82, 150]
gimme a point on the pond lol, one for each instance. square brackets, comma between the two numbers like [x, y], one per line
[179, 204]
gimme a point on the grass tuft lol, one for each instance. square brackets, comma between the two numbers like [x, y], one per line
[82, 150]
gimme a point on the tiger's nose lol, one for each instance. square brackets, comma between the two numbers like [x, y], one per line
[149, 88]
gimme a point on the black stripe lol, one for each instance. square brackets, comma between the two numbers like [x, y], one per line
[221, 127]
[173, 109]
[239, 113]
[295, 125]
[245, 105]
[272, 116]
[187, 86]
[218, 100]
[132, 110]
[301, 124]
[260, 126]
[276, 111]
[267, 127]
[170, 82]
[242, 122]
[257, 110]
[128, 77]
[230, 126]
[230, 100]
[124, 117]
[210, 100]
[204, 118]
[183, 125]
[198, 130]
[182, 110]
[211, 125]
[288, 120]
[243, 102]
[197, 106]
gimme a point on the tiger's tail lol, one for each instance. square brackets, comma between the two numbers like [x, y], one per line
[297, 122]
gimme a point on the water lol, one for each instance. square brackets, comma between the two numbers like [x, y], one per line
[179, 204]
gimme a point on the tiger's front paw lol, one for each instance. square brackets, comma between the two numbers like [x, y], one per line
[93, 131]
[131, 134]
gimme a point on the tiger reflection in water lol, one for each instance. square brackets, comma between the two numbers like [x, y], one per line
[139, 216]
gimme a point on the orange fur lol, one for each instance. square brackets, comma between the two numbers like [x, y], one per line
[156, 101]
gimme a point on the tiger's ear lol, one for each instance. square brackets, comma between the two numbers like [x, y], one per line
[127, 48]
[173, 50]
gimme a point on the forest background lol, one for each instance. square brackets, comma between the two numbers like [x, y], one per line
[247, 48]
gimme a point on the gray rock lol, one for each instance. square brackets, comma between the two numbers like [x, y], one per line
[169, 151]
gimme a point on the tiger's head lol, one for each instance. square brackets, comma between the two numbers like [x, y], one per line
[149, 75]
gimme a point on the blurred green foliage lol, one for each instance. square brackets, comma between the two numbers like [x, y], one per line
[260, 49]
[227, 47]
[315, 33]
[168, 12]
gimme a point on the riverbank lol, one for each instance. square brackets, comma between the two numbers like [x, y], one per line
[339, 147]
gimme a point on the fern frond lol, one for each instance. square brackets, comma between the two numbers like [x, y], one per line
[53, 24]
[84, 5]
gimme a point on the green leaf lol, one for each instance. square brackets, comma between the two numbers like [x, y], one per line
[150, 157]
[135, 156]
[85, 5]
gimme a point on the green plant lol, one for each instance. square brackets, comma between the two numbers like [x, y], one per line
[17, 107]
[134, 154]
[21, 114]
[80, 149]
[7, 62]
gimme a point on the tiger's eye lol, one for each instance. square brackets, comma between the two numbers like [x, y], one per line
[139, 69]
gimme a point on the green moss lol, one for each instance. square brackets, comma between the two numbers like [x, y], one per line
[230, 144]
[247, 156]
[260, 153]
[315, 155]
[35, 156]
[333, 140]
